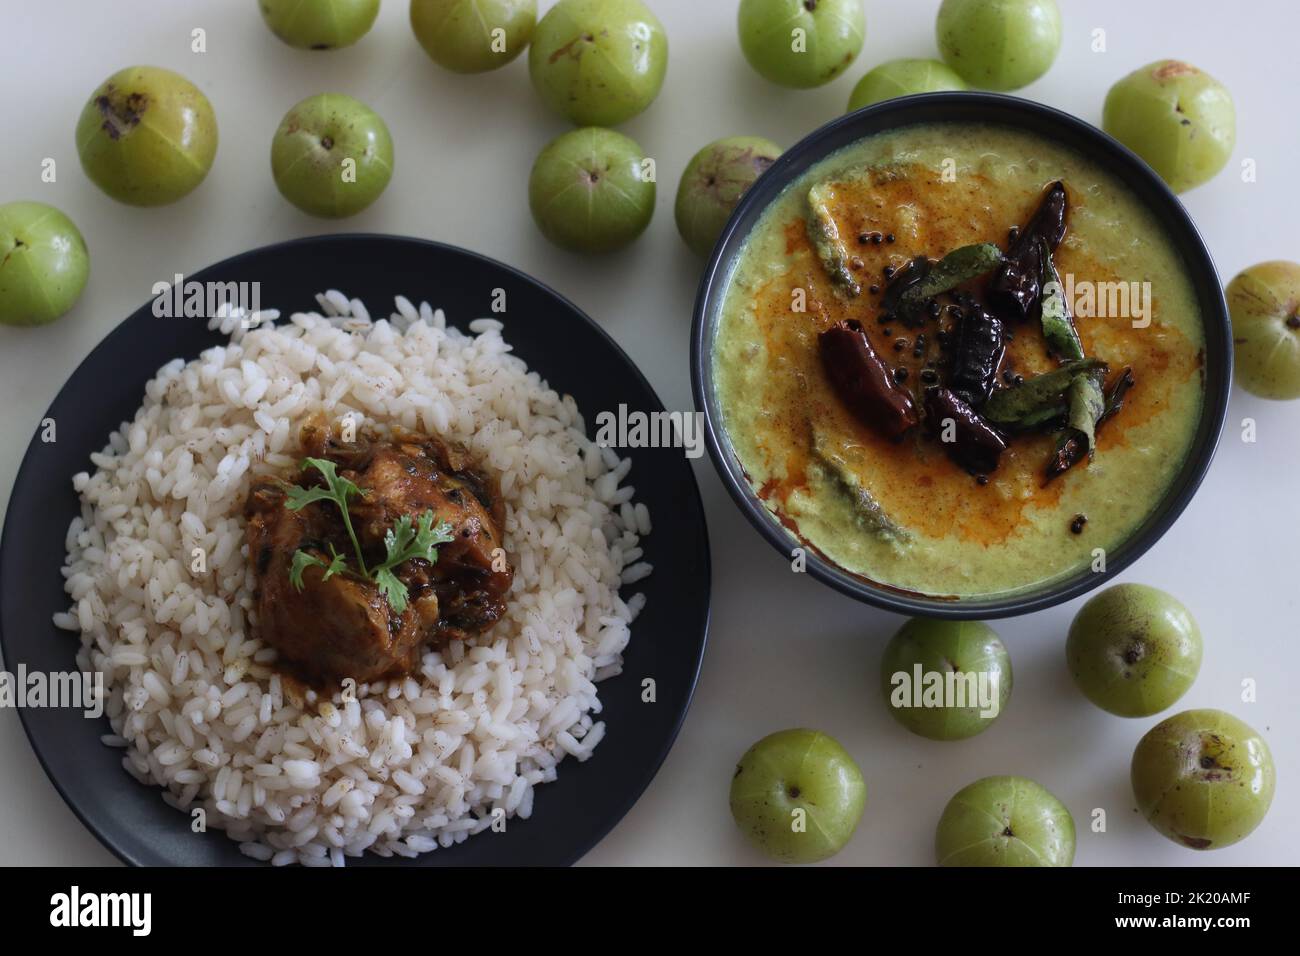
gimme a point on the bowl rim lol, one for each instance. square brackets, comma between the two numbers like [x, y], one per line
[995, 109]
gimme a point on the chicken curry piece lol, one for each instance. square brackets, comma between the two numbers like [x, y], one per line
[343, 625]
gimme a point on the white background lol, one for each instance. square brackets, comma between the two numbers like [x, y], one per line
[784, 650]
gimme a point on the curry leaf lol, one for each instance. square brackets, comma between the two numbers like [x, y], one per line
[1086, 406]
[1118, 392]
[958, 266]
[1058, 325]
[1008, 405]
[1044, 415]
[1087, 409]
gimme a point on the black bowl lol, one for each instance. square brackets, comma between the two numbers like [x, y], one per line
[569, 350]
[1017, 113]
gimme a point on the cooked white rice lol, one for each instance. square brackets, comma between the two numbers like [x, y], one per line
[406, 766]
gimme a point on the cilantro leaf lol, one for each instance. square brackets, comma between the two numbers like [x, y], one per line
[338, 490]
[397, 539]
[403, 542]
[299, 498]
[392, 588]
[302, 560]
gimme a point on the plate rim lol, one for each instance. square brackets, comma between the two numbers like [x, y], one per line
[110, 842]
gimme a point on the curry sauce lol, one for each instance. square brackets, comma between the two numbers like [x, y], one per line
[899, 511]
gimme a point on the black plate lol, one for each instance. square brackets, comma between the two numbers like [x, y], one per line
[1009, 111]
[557, 340]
